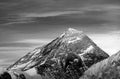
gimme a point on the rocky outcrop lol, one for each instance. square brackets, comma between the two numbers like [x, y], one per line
[106, 69]
[5, 75]
[66, 57]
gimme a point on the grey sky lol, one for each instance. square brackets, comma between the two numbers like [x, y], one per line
[26, 24]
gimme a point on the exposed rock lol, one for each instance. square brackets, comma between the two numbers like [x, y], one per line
[106, 69]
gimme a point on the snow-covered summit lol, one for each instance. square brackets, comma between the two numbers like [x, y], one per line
[72, 36]
[70, 32]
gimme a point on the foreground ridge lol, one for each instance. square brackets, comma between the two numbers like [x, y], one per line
[106, 69]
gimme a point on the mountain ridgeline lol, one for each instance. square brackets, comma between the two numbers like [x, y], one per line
[66, 57]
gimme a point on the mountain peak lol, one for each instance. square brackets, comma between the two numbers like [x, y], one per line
[71, 31]
[72, 52]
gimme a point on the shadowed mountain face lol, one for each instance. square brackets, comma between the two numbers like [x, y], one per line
[5, 75]
[66, 57]
[106, 69]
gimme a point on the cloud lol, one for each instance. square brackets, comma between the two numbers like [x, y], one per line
[34, 41]
[8, 55]
[10, 52]
[39, 10]
[23, 44]
[50, 14]
[72, 19]
[13, 48]
[10, 10]
[87, 15]
[108, 12]
[30, 17]
[101, 7]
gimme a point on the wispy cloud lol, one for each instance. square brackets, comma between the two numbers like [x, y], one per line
[101, 12]
[50, 14]
[30, 17]
[8, 55]
[34, 41]
[101, 7]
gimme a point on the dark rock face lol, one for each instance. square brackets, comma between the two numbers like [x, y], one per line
[66, 68]
[5, 75]
[106, 69]
[19, 75]
[66, 57]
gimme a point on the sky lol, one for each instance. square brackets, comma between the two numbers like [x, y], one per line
[27, 24]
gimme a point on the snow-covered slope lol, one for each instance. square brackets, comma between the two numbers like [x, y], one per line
[68, 56]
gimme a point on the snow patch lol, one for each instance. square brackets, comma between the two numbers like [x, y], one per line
[20, 66]
[62, 34]
[90, 48]
[74, 39]
[32, 72]
[80, 55]
[35, 53]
